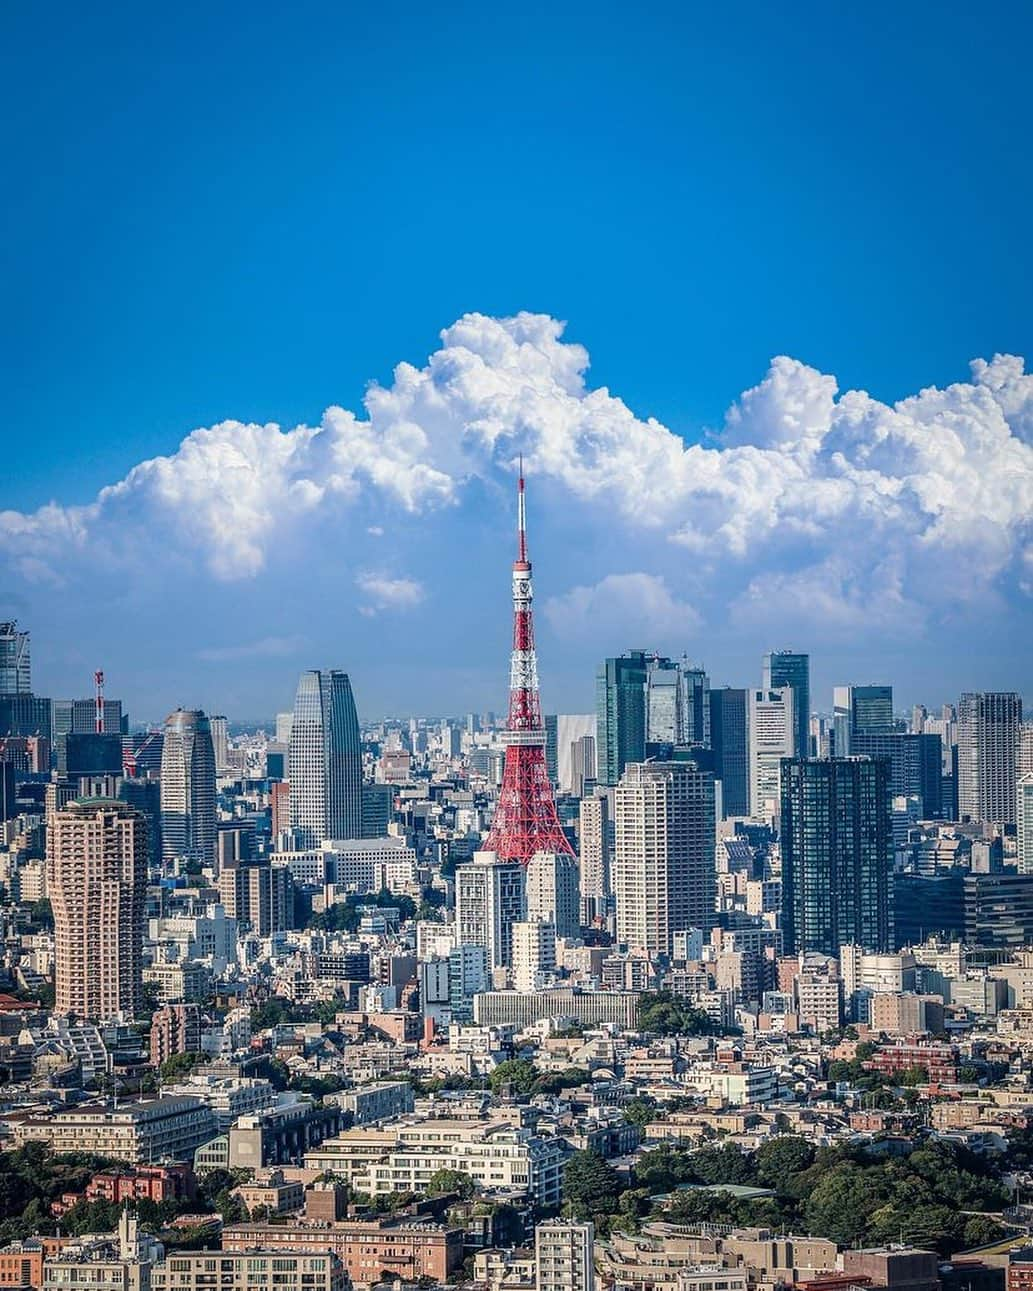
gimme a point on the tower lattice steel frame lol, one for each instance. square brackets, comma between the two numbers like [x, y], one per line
[525, 819]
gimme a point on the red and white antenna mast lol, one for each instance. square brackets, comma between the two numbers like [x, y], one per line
[525, 819]
[98, 683]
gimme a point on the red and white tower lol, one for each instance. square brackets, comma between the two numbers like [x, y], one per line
[525, 819]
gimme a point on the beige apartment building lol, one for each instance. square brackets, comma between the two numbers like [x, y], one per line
[97, 880]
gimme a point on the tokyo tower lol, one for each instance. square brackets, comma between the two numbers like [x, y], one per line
[525, 819]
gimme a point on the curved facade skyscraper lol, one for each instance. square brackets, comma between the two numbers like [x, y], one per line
[188, 788]
[325, 760]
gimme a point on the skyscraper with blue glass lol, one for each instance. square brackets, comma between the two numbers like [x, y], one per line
[786, 668]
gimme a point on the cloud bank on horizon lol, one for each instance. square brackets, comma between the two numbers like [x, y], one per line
[832, 512]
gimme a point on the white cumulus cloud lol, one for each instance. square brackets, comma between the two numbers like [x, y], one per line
[382, 593]
[639, 604]
[842, 502]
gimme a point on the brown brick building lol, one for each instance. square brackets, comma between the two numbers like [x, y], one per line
[368, 1248]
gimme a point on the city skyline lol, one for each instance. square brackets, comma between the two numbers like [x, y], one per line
[705, 962]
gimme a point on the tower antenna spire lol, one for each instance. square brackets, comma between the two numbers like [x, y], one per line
[525, 819]
[521, 516]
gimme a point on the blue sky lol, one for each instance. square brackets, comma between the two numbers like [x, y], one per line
[236, 212]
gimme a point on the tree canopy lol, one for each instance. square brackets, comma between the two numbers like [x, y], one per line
[590, 1185]
[668, 1014]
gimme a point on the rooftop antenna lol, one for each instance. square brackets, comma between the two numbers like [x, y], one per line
[98, 683]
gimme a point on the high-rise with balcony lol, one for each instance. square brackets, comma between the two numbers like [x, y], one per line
[989, 726]
[1024, 823]
[97, 883]
[188, 821]
[595, 847]
[565, 1255]
[325, 760]
[491, 896]
[664, 869]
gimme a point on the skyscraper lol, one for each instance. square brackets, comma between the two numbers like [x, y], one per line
[837, 854]
[860, 710]
[695, 705]
[575, 760]
[325, 761]
[220, 743]
[15, 665]
[97, 883]
[916, 766]
[595, 839]
[1024, 823]
[988, 741]
[664, 867]
[553, 892]
[525, 819]
[621, 726]
[491, 896]
[785, 668]
[729, 738]
[188, 788]
[665, 708]
[772, 733]
[1024, 751]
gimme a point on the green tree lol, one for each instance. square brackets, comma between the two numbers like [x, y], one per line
[180, 1064]
[590, 1185]
[981, 1230]
[445, 1181]
[90, 1217]
[724, 1164]
[665, 1013]
[914, 1076]
[663, 1169]
[781, 1159]
[519, 1074]
[640, 1111]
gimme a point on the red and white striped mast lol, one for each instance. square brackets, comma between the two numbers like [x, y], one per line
[525, 819]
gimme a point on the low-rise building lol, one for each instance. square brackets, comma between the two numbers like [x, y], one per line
[369, 1249]
[402, 1158]
[252, 1270]
[376, 1102]
[150, 1131]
